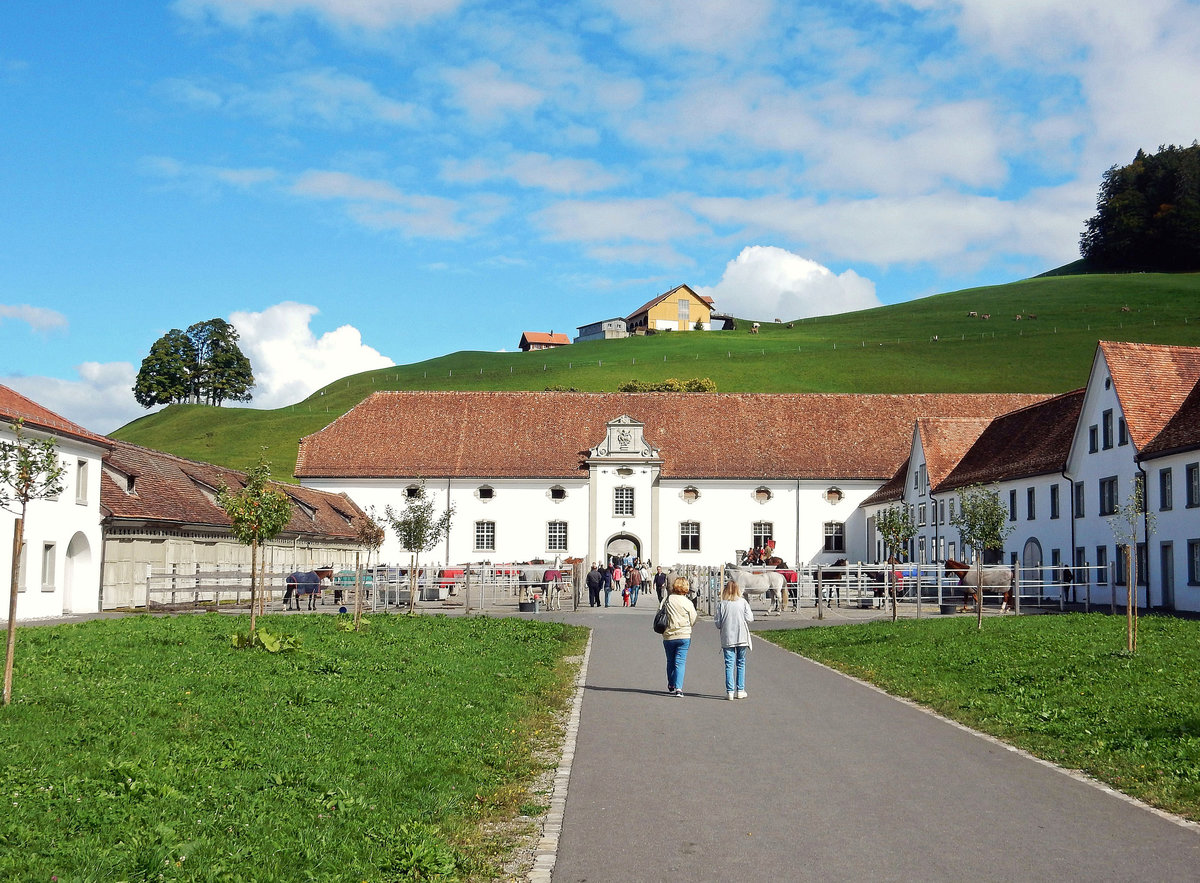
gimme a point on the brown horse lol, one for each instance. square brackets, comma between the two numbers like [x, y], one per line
[996, 579]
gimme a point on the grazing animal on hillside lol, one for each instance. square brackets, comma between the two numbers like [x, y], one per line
[996, 578]
[972, 315]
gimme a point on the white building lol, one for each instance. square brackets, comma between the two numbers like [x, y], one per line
[606, 329]
[59, 571]
[673, 478]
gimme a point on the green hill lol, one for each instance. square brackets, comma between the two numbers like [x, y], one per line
[927, 345]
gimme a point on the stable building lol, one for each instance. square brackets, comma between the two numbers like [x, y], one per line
[670, 477]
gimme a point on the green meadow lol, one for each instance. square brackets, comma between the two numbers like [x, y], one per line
[1059, 686]
[927, 345]
[147, 748]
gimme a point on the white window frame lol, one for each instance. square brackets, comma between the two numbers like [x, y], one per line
[485, 536]
[81, 482]
[623, 502]
[49, 553]
[556, 536]
[689, 536]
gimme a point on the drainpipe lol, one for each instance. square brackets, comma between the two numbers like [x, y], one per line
[796, 557]
[448, 527]
[1071, 497]
[1137, 463]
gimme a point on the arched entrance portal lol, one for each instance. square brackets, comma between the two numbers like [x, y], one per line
[621, 545]
[78, 571]
[1031, 562]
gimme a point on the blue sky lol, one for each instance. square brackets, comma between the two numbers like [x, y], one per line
[355, 183]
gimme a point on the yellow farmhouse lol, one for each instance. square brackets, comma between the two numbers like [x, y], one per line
[679, 309]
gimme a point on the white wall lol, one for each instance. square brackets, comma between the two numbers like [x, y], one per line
[62, 539]
[1179, 525]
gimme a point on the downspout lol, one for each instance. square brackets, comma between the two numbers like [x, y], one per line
[1071, 497]
[796, 558]
[1137, 462]
[449, 527]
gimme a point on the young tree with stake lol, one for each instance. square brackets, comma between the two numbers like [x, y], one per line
[1125, 527]
[258, 512]
[896, 526]
[29, 470]
[418, 531]
[982, 522]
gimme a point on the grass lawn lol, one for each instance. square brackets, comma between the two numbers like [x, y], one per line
[149, 749]
[1061, 687]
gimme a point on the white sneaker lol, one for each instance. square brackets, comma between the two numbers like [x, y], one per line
[741, 694]
[731, 695]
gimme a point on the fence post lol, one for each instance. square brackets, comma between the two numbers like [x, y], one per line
[820, 591]
[1016, 581]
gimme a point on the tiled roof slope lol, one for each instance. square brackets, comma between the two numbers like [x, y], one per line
[891, 491]
[435, 434]
[1182, 431]
[1030, 441]
[169, 489]
[1151, 382]
[14, 406]
[547, 337]
[944, 440]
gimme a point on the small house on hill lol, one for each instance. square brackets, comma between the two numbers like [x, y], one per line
[541, 340]
[679, 309]
[606, 329]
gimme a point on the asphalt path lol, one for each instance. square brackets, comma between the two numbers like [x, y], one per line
[816, 776]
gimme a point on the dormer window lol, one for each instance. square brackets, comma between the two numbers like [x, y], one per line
[485, 492]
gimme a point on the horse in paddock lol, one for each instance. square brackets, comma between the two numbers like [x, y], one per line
[760, 583]
[996, 579]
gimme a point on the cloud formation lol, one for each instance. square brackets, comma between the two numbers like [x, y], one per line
[38, 318]
[290, 362]
[765, 282]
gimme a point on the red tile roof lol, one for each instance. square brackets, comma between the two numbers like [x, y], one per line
[543, 337]
[892, 490]
[1151, 381]
[14, 406]
[438, 434]
[1182, 432]
[1029, 441]
[171, 490]
[944, 440]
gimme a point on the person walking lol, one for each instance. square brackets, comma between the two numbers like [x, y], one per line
[595, 582]
[660, 585]
[607, 577]
[732, 619]
[634, 581]
[682, 615]
[618, 576]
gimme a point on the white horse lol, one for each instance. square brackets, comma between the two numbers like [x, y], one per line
[757, 583]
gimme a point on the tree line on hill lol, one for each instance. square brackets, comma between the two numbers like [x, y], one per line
[1148, 214]
[202, 365]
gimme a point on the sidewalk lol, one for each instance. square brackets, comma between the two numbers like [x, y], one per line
[818, 777]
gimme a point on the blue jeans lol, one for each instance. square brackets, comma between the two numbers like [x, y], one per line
[633, 594]
[607, 592]
[676, 651]
[735, 668]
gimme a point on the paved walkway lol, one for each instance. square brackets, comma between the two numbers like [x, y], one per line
[818, 777]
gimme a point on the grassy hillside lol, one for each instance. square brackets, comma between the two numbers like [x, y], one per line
[928, 345]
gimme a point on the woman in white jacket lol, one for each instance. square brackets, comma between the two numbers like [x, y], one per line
[732, 618]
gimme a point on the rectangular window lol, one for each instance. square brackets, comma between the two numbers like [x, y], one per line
[1055, 506]
[689, 536]
[942, 511]
[1192, 480]
[922, 480]
[81, 482]
[1080, 560]
[921, 515]
[1093, 439]
[1120, 578]
[1108, 496]
[835, 536]
[921, 550]
[951, 515]
[1122, 432]
[48, 567]
[952, 550]
[1079, 499]
[623, 502]
[1106, 426]
[941, 549]
[1165, 490]
[1030, 508]
[1102, 565]
[1012, 505]
[556, 536]
[485, 536]
[684, 303]
[1193, 562]
[764, 532]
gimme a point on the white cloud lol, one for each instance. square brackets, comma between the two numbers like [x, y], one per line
[486, 93]
[696, 25]
[369, 14]
[535, 170]
[101, 399]
[38, 318]
[765, 282]
[290, 362]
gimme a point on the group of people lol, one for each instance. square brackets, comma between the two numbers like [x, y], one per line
[628, 577]
[732, 619]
